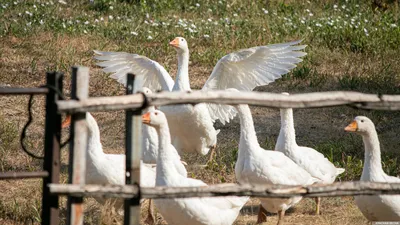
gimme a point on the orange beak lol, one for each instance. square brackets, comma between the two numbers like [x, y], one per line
[66, 122]
[146, 118]
[352, 127]
[175, 43]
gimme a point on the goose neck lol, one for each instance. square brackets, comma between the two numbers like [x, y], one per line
[248, 137]
[287, 136]
[95, 149]
[165, 160]
[372, 155]
[182, 78]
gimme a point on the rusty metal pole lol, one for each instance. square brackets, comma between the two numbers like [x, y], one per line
[78, 145]
[50, 211]
[133, 140]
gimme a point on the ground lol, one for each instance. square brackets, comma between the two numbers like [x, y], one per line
[352, 45]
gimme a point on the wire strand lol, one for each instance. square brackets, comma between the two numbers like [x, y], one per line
[30, 118]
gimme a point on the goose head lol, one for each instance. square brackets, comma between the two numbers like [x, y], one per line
[361, 125]
[154, 118]
[180, 44]
[93, 128]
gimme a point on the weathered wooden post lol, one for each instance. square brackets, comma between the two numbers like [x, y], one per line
[78, 144]
[133, 140]
[51, 164]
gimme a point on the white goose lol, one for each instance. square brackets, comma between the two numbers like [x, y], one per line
[374, 207]
[307, 158]
[258, 166]
[192, 126]
[102, 168]
[183, 211]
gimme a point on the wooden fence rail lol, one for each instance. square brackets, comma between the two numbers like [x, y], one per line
[76, 190]
[277, 191]
[273, 100]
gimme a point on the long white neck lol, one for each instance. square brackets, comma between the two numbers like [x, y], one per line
[95, 149]
[165, 161]
[287, 137]
[182, 78]
[248, 138]
[372, 155]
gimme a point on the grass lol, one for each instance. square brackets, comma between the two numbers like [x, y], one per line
[351, 46]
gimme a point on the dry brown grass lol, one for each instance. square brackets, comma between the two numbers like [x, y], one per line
[24, 62]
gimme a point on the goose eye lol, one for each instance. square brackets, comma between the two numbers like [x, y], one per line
[156, 113]
[362, 121]
[181, 39]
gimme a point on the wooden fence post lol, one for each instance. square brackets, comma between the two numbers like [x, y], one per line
[133, 140]
[51, 164]
[78, 144]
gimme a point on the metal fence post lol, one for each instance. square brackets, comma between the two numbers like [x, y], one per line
[133, 140]
[78, 144]
[50, 211]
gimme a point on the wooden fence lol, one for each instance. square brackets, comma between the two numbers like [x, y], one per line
[133, 103]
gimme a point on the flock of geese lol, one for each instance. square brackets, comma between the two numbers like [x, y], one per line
[174, 129]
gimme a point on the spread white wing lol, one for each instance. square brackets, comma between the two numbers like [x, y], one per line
[248, 68]
[153, 74]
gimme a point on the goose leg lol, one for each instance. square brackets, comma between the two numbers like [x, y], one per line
[262, 215]
[212, 153]
[318, 203]
[150, 214]
[281, 215]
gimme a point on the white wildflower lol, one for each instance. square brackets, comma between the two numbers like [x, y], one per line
[101, 18]
[197, 5]
[63, 24]
[235, 14]
[311, 14]
[393, 25]
[86, 22]
[209, 10]
[96, 20]
[335, 6]
[110, 17]
[206, 36]
[134, 33]
[41, 22]
[149, 38]
[111, 7]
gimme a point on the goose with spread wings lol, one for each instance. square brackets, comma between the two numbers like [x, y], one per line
[191, 126]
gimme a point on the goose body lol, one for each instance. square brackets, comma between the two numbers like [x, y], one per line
[307, 158]
[377, 207]
[315, 163]
[258, 166]
[191, 127]
[196, 211]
